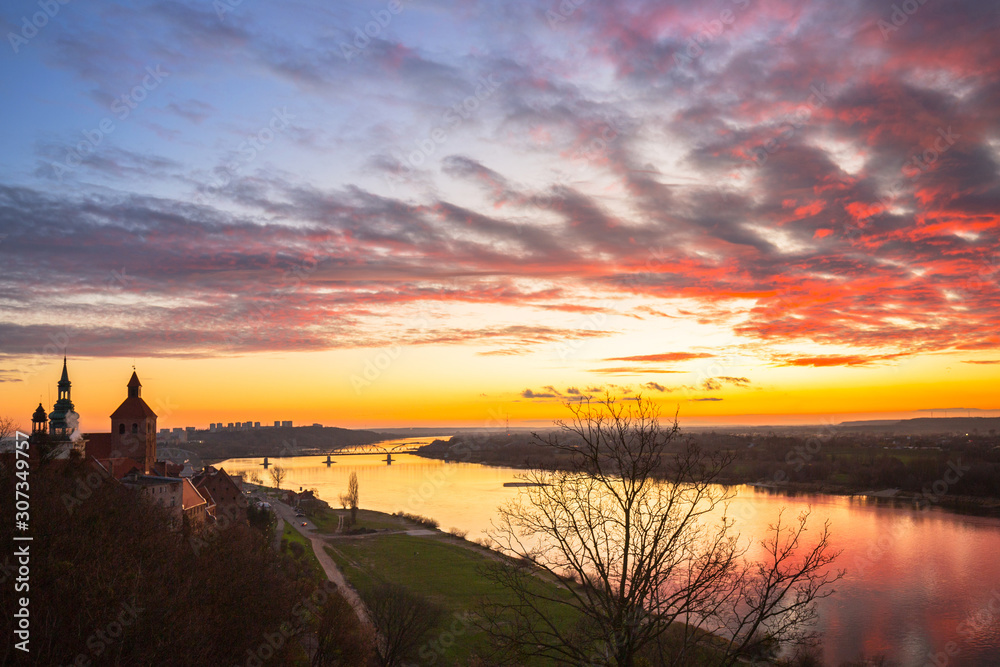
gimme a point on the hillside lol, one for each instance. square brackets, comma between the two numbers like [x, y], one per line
[288, 441]
[925, 425]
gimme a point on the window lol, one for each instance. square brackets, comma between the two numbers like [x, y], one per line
[121, 428]
[135, 428]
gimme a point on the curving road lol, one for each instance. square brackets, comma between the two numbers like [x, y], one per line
[333, 573]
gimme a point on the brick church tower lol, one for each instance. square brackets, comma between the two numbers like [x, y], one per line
[133, 427]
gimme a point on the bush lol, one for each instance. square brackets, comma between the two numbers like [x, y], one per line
[416, 518]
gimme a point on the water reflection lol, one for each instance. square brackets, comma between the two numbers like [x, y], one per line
[918, 582]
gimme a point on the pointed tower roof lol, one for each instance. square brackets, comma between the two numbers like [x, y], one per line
[133, 406]
[64, 404]
[39, 415]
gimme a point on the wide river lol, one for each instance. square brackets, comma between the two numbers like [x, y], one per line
[919, 584]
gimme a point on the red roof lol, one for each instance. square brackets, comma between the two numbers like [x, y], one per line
[119, 467]
[98, 445]
[133, 406]
[205, 493]
[191, 497]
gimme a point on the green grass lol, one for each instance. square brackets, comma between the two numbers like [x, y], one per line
[327, 520]
[324, 519]
[293, 536]
[381, 521]
[446, 572]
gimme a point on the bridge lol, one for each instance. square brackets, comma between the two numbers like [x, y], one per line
[376, 448]
[360, 450]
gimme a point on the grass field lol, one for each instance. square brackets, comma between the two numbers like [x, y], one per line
[440, 568]
[293, 536]
[327, 520]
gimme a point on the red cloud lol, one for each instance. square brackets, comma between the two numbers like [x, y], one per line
[665, 356]
[838, 360]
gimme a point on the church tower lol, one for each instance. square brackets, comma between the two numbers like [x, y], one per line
[39, 422]
[133, 427]
[62, 412]
[39, 434]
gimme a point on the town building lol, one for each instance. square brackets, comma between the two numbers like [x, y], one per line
[167, 492]
[195, 507]
[128, 455]
[225, 491]
[57, 435]
[133, 427]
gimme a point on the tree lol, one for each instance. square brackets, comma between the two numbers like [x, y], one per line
[637, 532]
[350, 499]
[340, 637]
[402, 619]
[143, 577]
[254, 477]
[277, 475]
[8, 427]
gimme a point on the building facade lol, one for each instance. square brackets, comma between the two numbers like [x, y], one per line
[133, 427]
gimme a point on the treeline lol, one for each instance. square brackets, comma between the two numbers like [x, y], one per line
[957, 465]
[967, 465]
[514, 451]
[111, 584]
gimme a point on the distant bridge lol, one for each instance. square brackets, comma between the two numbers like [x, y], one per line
[376, 448]
[357, 450]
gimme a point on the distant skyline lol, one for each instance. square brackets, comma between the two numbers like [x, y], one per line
[432, 213]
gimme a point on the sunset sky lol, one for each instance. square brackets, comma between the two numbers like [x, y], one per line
[424, 213]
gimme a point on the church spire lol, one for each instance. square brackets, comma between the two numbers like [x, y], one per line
[58, 426]
[134, 386]
[64, 383]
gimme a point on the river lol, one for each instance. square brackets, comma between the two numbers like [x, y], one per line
[922, 587]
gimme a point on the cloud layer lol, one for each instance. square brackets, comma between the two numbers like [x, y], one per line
[293, 186]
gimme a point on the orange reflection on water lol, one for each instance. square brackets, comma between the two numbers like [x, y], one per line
[913, 577]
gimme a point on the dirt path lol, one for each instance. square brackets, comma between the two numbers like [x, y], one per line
[333, 573]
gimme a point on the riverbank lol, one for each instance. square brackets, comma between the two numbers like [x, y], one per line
[520, 455]
[962, 505]
[411, 551]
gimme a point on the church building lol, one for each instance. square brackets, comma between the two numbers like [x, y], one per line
[57, 434]
[133, 428]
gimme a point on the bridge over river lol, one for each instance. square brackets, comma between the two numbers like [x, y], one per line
[387, 447]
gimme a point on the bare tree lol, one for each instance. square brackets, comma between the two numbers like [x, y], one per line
[350, 499]
[8, 427]
[254, 477]
[340, 637]
[41, 448]
[277, 475]
[402, 619]
[637, 533]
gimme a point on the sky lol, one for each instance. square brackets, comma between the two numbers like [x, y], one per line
[394, 213]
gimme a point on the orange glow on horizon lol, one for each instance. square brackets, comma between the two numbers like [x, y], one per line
[484, 392]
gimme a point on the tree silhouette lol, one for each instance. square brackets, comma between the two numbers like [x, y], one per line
[637, 531]
[402, 618]
[350, 499]
[277, 475]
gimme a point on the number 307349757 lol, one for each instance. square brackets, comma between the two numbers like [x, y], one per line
[21, 487]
